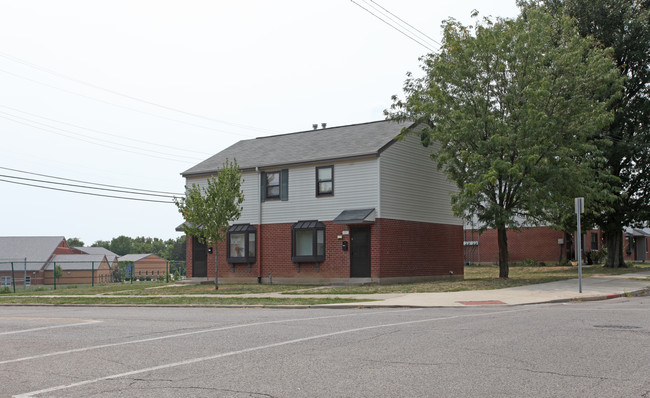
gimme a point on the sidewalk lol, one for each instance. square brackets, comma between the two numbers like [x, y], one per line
[593, 288]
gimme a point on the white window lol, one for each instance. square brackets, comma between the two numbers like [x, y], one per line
[28, 281]
[5, 281]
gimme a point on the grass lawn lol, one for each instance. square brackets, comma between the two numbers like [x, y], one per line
[476, 278]
[152, 300]
[486, 278]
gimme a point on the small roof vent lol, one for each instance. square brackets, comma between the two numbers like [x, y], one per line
[315, 126]
[323, 125]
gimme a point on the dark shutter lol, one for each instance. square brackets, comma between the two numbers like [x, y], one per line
[263, 186]
[284, 184]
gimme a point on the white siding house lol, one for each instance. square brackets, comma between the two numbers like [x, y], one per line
[377, 189]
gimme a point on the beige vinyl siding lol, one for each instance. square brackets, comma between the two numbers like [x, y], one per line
[355, 187]
[412, 188]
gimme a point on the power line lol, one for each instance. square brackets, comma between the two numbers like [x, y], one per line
[411, 26]
[86, 193]
[86, 139]
[124, 107]
[102, 132]
[88, 182]
[86, 187]
[394, 27]
[165, 107]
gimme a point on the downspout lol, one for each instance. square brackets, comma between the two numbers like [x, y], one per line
[258, 241]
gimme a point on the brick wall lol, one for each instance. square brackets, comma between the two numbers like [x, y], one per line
[399, 249]
[538, 243]
[410, 249]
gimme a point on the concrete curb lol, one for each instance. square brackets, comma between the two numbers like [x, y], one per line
[635, 293]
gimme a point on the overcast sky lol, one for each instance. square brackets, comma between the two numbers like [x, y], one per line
[132, 93]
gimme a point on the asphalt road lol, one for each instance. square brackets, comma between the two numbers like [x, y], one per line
[574, 349]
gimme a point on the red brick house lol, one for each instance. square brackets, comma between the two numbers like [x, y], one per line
[548, 245]
[348, 204]
[78, 269]
[28, 256]
[146, 265]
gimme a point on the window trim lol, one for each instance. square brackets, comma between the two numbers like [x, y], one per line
[318, 192]
[247, 230]
[267, 186]
[314, 226]
[283, 182]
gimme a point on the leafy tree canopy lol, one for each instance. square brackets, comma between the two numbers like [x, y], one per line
[208, 210]
[623, 26]
[75, 242]
[511, 106]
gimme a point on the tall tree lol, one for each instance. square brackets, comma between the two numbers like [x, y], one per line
[121, 245]
[209, 210]
[511, 105]
[75, 242]
[623, 25]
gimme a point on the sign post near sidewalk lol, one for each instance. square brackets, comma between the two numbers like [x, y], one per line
[580, 208]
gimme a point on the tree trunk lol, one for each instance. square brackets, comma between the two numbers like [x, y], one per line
[502, 239]
[614, 242]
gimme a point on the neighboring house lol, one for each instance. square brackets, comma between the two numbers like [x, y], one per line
[28, 256]
[637, 242]
[79, 269]
[336, 205]
[110, 256]
[548, 245]
[145, 265]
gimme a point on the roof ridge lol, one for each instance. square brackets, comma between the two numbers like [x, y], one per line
[317, 130]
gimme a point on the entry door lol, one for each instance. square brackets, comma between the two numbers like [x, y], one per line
[640, 248]
[199, 259]
[360, 252]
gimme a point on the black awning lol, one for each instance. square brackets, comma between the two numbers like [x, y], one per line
[359, 216]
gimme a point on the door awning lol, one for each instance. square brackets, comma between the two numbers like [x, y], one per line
[358, 216]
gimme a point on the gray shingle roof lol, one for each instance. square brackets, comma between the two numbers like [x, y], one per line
[358, 140]
[110, 256]
[133, 257]
[37, 250]
[69, 262]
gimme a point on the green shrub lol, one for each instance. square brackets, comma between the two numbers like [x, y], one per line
[5, 290]
[599, 256]
[529, 262]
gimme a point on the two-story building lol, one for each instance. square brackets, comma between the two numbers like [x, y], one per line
[334, 205]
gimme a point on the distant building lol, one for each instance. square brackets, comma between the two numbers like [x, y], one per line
[145, 265]
[79, 269]
[28, 256]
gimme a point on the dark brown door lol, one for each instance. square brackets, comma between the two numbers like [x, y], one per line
[199, 259]
[640, 248]
[360, 252]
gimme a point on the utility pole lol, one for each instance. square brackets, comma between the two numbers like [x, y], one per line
[580, 208]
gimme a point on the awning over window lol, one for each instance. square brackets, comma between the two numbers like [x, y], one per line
[242, 228]
[308, 224]
[359, 216]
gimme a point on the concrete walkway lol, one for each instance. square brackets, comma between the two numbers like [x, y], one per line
[593, 288]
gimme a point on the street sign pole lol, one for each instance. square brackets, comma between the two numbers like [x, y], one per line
[580, 208]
